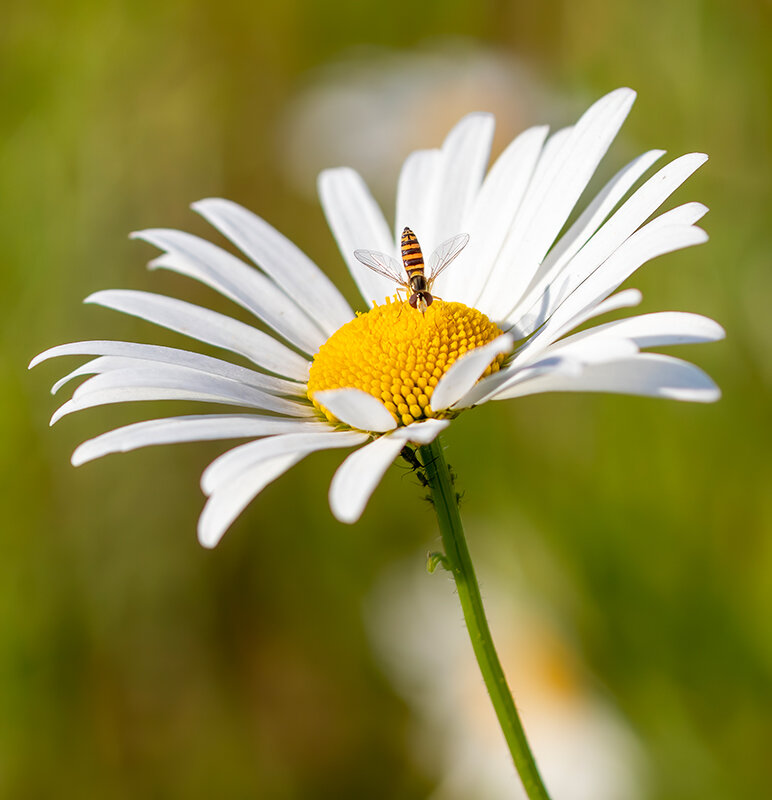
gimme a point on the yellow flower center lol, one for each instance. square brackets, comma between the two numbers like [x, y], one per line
[398, 355]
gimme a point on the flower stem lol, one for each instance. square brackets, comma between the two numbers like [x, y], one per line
[459, 564]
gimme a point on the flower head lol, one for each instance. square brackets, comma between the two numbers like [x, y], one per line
[399, 356]
[499, 327]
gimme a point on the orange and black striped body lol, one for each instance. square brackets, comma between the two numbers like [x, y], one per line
[413, 260]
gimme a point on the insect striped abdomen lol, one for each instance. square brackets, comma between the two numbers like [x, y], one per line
[412, 257]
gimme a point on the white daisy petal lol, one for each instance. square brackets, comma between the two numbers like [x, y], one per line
[123, 353]
[503, 263]
[593, 216]
[277, 256]
[531, 311]
[465, 154]
[565, 357]
[93, 367]
[356, 478]
[357, 409]
[192, 428]
[576, 298]
[624, 299]
[206, 326]
[549, 156]
[103, 364]
[536, 349]
[189, 255]
[648, 374]
[466, 371]
[648, 243]
[593, 349]
[357, 223]
[417, 195]
[167, 382]
[230, 465]
[223, 507]
[551, 198]
[686, 214]
[489, 220]
[423, 432]
[659, 329]
[489, 388]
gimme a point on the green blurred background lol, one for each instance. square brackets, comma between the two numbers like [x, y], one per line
[135, 664]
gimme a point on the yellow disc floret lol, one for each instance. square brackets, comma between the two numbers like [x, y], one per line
[398, 355]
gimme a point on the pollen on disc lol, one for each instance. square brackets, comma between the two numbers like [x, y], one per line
[398, 355]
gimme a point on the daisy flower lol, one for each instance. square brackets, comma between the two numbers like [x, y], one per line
[500, 327]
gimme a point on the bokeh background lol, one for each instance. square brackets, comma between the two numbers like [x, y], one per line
[135, 664]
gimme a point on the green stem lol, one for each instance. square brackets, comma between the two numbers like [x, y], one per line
[459, 564]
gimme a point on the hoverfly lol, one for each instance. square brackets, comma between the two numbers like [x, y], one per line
[417, 286]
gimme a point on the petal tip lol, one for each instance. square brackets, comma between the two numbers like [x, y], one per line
[330, 173]
[94, 297]
[624, 94]
[209, 530]
[203, 205]
[345, 516]
[711, 395]
[486, 117]
[207, 539]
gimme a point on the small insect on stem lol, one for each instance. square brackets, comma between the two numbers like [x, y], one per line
[452, 474]
[415, 464]
[410, 456]
[418, 286]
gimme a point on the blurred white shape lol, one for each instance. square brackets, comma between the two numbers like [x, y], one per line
[584, 748]
[372, 107]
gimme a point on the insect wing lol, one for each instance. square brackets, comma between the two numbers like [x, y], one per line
[383, 264]
[445, 254]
